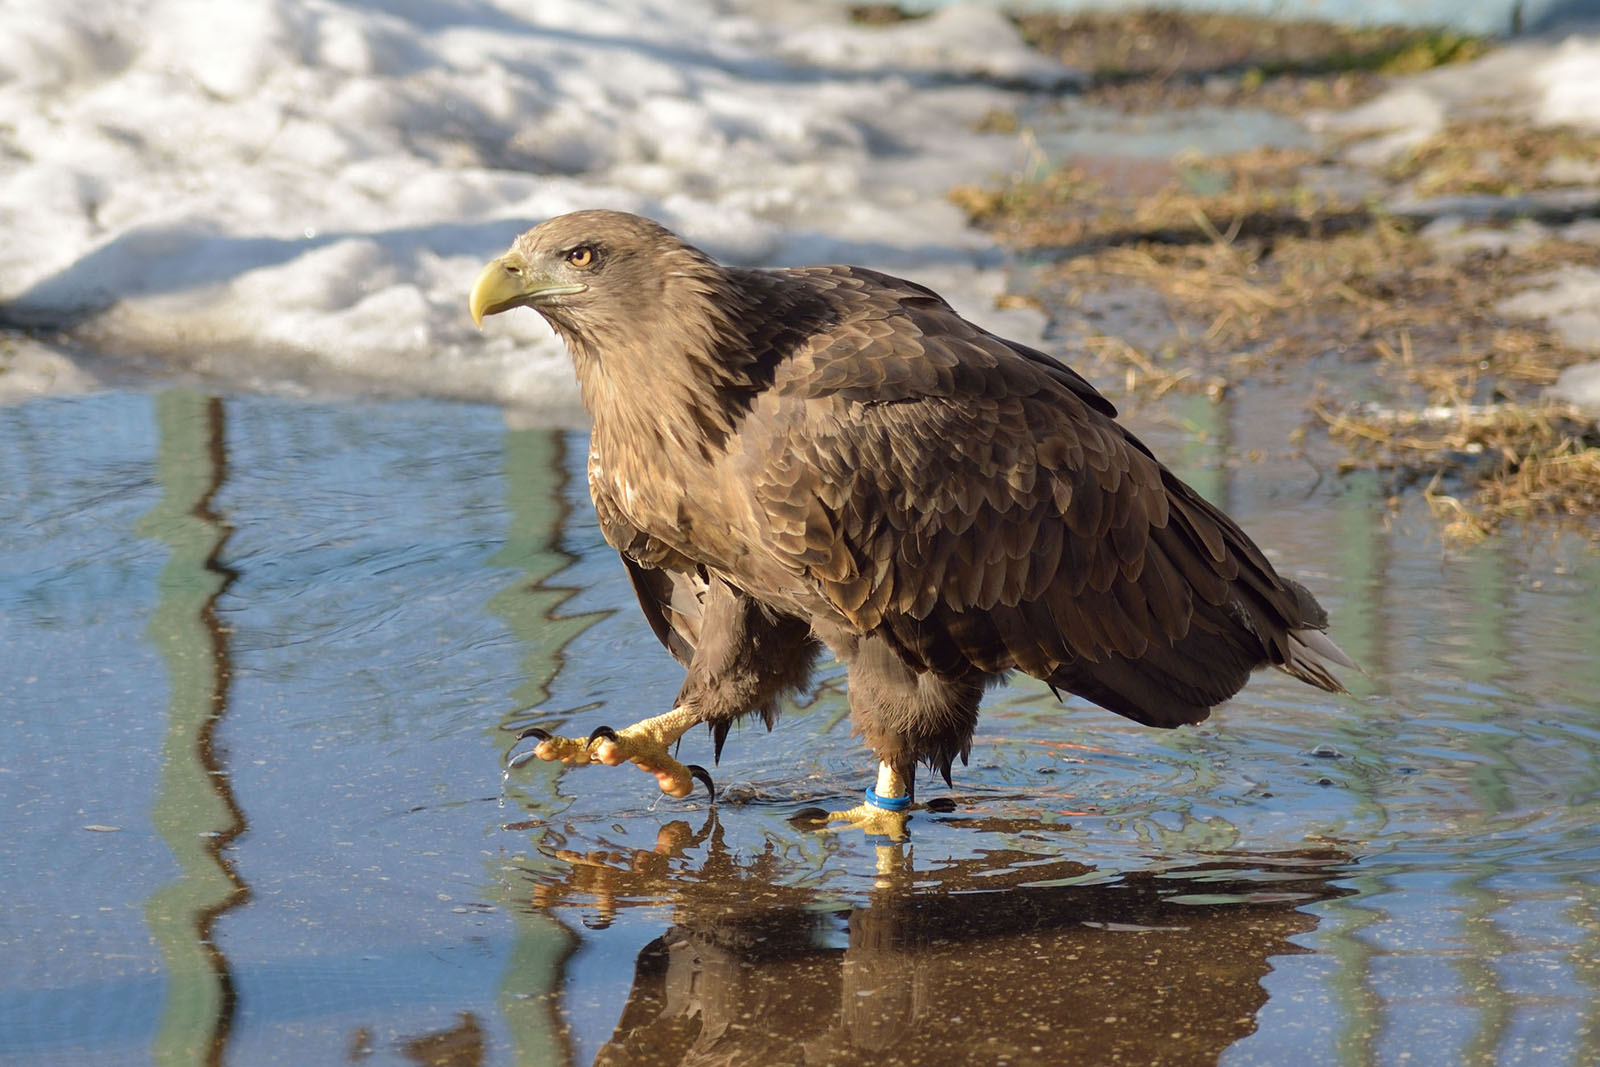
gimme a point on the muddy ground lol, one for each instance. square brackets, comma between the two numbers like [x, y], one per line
[1359, 275]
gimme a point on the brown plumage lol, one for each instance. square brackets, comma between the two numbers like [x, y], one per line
[831, 454]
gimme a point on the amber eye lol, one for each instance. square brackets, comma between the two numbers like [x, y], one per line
[582, 257]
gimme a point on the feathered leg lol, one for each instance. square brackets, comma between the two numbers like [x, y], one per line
[908, 717]
[746, 660]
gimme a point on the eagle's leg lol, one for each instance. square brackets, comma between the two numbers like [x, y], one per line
[645, 743]
[887, 807]
[746, 659]
[908, 715]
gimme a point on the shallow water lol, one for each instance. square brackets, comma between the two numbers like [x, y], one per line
[261, 661]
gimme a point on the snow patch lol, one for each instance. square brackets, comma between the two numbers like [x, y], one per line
[30, 368]
[1566, 299]
[963, 39]
[1547, 82]
[1579, 386]
[1569, 85]
[304, 189]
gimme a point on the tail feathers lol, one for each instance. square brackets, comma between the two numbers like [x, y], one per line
[1311, 657]
[1179, 684]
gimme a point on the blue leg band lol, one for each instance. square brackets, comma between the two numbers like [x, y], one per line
[887, 803]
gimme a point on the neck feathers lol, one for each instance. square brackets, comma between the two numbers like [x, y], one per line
[683, 366]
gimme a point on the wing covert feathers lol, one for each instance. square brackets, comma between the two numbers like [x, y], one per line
[975, 502]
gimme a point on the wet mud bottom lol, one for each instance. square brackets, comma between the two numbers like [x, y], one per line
[1212, 240]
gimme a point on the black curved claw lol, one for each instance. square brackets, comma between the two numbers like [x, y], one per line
[533, 731]
[697, 771]
[602, 731]
[809, 819]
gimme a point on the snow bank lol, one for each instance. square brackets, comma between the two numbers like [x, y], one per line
[1543, 81]
[304, 189]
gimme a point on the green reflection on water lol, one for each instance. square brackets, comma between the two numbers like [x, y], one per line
[195, 811]
[536, 482]
[1490, 642]
[1363, 565]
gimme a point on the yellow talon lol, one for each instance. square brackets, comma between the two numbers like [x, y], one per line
[644, 743]
[887, 818]
[873, 821]
[640, 746]
[565, 749]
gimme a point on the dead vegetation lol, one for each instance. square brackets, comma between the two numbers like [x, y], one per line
[1167, 43]
[1255, 194]
[1500, 157]
[1146, 376]
[1158, 58]
[1521, 461]
[1274, 269]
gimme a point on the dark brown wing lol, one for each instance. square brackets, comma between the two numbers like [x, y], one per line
[974, 501]
[672, 603]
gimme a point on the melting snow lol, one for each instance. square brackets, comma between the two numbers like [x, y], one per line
[302, 190]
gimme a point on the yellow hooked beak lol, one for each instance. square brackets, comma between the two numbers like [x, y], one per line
[508, 282]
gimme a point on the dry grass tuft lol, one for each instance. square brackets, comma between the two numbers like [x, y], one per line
[1500, 157]
[1519, 462]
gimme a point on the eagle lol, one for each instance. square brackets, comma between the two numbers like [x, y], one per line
[803, 458]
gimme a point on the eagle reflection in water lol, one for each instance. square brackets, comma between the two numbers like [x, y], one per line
[1008, 957]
